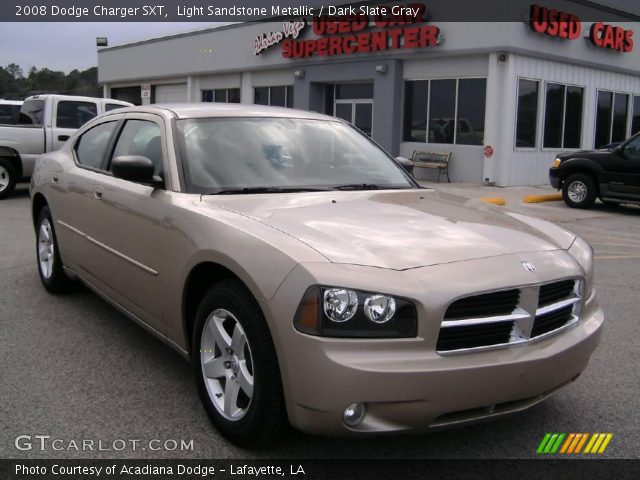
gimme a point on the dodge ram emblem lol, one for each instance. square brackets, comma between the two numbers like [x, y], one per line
[528, 266]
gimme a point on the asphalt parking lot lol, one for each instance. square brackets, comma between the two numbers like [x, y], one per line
[72, 367]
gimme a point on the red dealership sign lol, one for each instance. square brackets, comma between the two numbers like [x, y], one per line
[363, 30]
[558, 24]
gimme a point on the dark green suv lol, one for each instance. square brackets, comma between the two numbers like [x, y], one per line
[613, 175]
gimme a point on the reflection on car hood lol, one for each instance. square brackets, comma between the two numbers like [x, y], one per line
[397, 229]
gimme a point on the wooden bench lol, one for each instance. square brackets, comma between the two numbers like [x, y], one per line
[437, 160]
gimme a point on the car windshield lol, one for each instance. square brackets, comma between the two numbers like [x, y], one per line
[264, 155]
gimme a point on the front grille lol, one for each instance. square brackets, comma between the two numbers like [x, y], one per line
[473, 336]
[509, 316]
[554, 292]
[485, 305]
[551, 321]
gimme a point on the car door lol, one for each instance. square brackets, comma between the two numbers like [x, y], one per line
[68, 116]
[621, 167]
[126, 221]
[631, 154]
[72, 191]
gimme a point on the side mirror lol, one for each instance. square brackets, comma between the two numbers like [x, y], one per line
[135, 169]
[406, 164]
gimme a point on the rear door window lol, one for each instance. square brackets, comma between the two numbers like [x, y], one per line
[92, 145]
[72, 114]
[112, 106]
[31, 113]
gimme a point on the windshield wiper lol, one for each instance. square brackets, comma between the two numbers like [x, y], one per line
[249, 190]
[366, 186]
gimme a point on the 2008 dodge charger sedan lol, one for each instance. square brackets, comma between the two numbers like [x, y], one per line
[307, 276]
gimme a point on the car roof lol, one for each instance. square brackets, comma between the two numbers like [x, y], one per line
[207, 110]
[77, 98]
[10, 102]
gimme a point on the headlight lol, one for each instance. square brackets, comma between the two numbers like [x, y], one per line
[556, 163]
[342, 312]
[583, 253]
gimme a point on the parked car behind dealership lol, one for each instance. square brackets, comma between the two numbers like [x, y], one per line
[307, 276]
[611, 174]
[44, 123]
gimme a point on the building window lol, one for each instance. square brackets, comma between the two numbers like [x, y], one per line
[563, 116]
[221, 95]
[527, 114]
[279, 96]
[611, 117]
[635, 121]
[451, 110]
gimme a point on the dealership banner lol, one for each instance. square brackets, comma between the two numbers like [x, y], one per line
[259, 10]
[317, 469]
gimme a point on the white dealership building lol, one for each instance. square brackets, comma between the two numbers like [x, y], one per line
[502, 97]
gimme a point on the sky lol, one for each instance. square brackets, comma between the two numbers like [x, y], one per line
[65, 46]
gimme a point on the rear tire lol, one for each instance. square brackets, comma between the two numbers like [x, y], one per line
[240, 384]
[50, 266]
[579, 191]
[8, 178]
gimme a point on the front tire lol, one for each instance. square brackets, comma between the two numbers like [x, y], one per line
[236, 367]
[50, 266]
[579, 191]
[8, 178]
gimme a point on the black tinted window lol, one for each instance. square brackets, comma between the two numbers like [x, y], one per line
[93, 144]
[112, 106]
[442, 111]
[573, 118]
[553, 116]
[141, 138]
[619, 124]
[9, 114]
[415, 111]
[471, 104]
[603, 119]
[70, 114]
[635, 121]
[527, 116]
[261, 95]
[31, 113]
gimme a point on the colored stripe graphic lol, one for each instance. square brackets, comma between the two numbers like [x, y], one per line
[550, 443]
[555, 443]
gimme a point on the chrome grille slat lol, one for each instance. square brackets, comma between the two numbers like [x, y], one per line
[538, 311]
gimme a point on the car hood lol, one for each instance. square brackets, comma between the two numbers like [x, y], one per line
[603, 152]
[397, 229]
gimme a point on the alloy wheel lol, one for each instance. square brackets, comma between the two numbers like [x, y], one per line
[4, 178]
[577, 191]
[227, 364]
[46, 249]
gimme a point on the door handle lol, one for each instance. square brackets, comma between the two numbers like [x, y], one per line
[54, 179]
[97, 192]
[63, 138]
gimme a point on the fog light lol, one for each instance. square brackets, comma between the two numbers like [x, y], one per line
[354, 414]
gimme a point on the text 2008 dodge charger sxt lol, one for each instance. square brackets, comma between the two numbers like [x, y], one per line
[307, 276]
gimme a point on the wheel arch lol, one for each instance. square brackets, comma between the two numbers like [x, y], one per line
[202, 276]
[13, 157]
[583, 167]
[37, 204]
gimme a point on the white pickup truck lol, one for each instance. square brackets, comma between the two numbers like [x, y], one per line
[45, 122]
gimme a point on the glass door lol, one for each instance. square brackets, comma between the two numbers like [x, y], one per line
[354, 103]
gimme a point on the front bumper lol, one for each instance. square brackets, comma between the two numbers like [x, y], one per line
[554, 178]
[405, 384]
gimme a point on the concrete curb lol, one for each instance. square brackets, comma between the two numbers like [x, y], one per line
[553, 197]
[494, 200]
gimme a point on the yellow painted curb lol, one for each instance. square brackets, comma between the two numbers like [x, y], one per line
[553, 197]
[494, 200]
